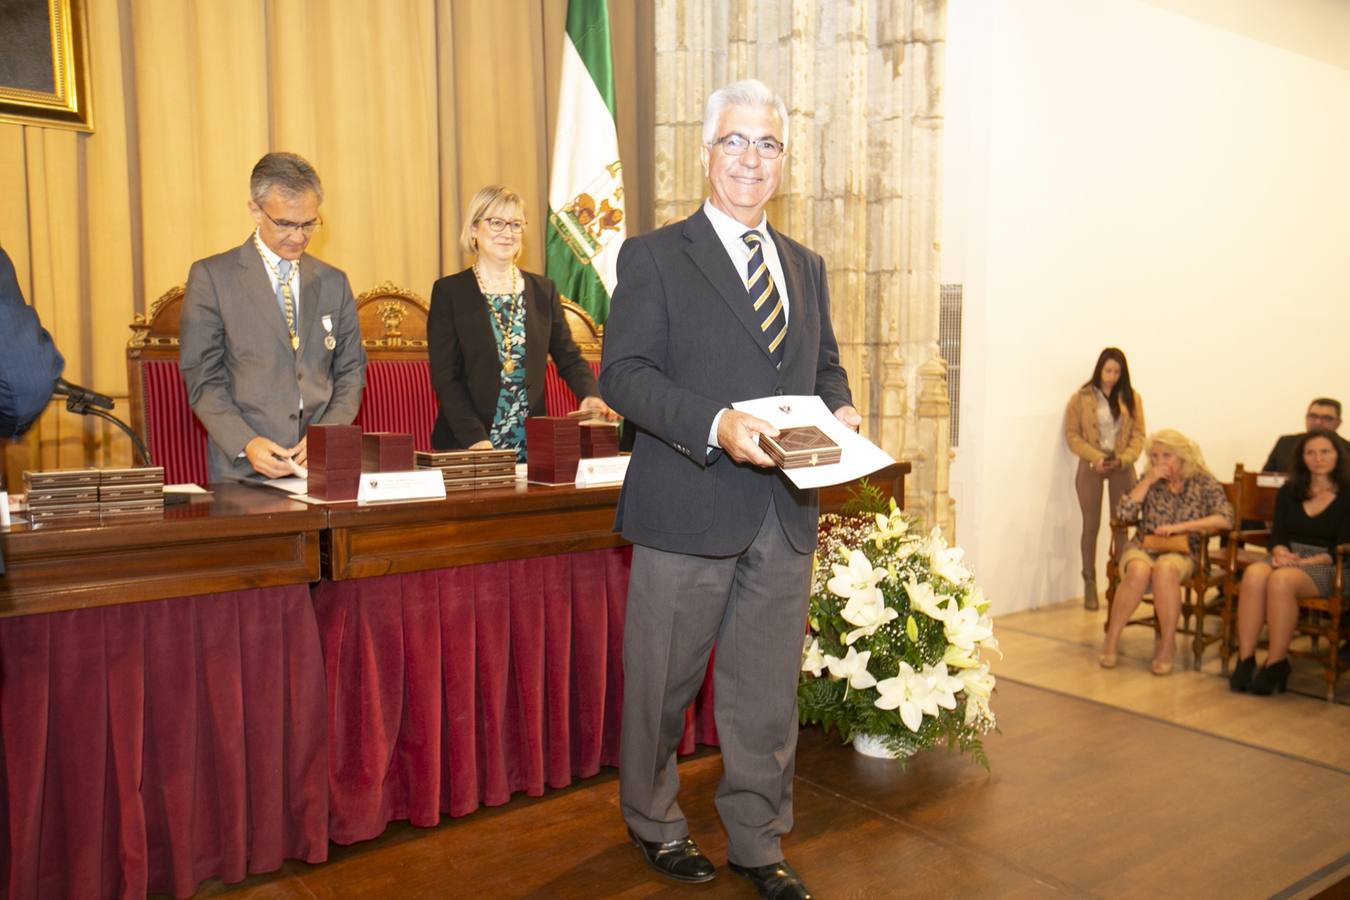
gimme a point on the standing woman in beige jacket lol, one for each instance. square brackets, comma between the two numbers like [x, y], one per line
[1104, 427]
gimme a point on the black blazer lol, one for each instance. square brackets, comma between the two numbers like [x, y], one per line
[679, 346]
[466, 371]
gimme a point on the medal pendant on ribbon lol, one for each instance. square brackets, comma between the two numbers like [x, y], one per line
[330, 342]
[295, 342]
[509, 366]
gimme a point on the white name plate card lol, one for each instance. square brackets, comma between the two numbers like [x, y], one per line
[385, 487]
[600, 470]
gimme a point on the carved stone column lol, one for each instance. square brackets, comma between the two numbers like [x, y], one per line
[863, 85]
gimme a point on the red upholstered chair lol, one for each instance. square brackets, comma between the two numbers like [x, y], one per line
[398, 395]
[159, 407]
[558, 397]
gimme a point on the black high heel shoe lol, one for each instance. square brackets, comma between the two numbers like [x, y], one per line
[1271, 679]
[1241, 679]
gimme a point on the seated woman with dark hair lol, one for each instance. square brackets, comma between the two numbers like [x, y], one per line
[1312, 516]
[1174, 504]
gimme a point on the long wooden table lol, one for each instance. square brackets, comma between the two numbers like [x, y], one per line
[252, 677]
[235, 538]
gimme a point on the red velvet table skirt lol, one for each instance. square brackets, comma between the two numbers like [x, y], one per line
[150, 746]
[457, 687]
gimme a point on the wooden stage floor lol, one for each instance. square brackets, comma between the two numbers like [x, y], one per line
[1085, 799]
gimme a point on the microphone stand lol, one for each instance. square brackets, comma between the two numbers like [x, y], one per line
[82, 406]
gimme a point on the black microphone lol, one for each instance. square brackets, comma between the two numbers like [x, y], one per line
[81, 395]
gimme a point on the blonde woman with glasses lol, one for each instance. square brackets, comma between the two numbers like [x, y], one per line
[490, 332]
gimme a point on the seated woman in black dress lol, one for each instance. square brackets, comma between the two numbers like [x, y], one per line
[488, 333]
[1312, 516]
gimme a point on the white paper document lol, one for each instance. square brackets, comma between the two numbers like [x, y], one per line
[858, 456]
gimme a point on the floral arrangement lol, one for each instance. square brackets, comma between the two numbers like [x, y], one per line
[898, 633]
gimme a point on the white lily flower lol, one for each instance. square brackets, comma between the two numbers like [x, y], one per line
[813, 659]
[991, 642]
[956, 658]
[977, 682]
[965, 628]
[944, 561]
[976, 600]
[923, 598]
[868, 615]
[853, 668]
[857, 578]
[979, 685]
[889, 527]
[909, 692]
[943, 687]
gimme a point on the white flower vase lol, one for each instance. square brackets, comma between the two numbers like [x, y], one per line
[875, 746]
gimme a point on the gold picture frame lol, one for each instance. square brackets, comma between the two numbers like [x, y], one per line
[45, 82]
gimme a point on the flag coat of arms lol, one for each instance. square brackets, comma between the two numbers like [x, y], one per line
[585, 195]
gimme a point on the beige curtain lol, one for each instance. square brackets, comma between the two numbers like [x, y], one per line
[405, 107]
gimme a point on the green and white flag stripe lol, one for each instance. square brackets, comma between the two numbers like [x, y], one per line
[585, 195]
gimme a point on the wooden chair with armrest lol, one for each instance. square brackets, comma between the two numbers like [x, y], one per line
[1201, 595]
[398, 395]
[588, 337]
[1252, 495]
[1321, 620]
[160, 413]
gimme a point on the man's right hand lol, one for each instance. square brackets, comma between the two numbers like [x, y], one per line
[267, 458]
[738, 435]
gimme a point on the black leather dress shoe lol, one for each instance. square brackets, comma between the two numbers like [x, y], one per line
[775, 881]
[680, 859]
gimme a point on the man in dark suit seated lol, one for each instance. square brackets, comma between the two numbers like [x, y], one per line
[718, 308]
[29, 361]
[1324, 413]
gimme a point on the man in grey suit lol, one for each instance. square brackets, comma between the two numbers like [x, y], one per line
[708, 311]
[270, 340]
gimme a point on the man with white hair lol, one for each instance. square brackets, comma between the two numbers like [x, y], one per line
[714, 309]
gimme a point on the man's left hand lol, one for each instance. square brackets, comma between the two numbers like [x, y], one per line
[849, 416]
[300, 453]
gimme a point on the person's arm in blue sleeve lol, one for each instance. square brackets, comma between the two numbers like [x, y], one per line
[29, 361]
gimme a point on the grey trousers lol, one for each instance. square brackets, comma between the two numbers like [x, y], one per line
[1089, 486]
[753, 607]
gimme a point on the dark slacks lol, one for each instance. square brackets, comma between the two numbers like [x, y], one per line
[753, 607]
[1089, 486]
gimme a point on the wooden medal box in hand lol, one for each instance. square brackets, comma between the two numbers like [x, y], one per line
[802, 446]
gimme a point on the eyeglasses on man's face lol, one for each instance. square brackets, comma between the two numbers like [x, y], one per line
[288, 227]
[496, 225]
[1322, 418]
[735, 144]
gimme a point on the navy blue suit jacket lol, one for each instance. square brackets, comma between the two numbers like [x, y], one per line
[679, 346]
[29, 361]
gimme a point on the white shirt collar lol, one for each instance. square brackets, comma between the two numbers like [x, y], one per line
[728, 229]
[273, 259]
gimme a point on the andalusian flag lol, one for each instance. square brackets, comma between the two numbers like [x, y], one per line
[585, 192]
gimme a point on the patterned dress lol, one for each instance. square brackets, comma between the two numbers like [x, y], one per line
[1200, 496]
[513, 404]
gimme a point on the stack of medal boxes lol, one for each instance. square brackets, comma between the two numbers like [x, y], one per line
[130, 493]
[552, 449]
[334, 461]
[74, 495]
[599, 438]
[465, 470]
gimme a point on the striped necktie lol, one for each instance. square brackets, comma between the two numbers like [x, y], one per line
[768, 303]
